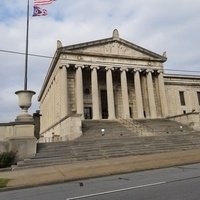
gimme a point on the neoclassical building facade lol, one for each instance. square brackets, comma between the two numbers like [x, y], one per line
[110, 79]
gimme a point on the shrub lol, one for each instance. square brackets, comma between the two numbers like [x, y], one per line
[7, 159]
[3, 182]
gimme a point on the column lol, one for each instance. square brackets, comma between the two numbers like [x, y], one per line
[163, 100]
[50, 105]
[110, 94]
[79, 90]
[48, 113]
[49, 108]
[152, 103]
[138, 94]
[95, 93]
[124, 89]
[53, 106]
[64, 91]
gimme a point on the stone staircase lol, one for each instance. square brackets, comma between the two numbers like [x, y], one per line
[117, 141]
[112, 129]
[165, 126]
[158, 127]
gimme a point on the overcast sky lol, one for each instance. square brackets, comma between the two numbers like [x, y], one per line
[158, 25]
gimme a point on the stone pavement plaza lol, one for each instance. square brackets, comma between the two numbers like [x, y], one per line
[103, 167]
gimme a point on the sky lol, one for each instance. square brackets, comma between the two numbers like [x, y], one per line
[157, 25]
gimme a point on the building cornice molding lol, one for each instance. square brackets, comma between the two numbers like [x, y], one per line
[113, 56]
[49, 73]
[181, 76]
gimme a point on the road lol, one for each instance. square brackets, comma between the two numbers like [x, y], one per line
[176, 183]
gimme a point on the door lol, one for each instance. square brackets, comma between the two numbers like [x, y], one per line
[87, 112]
[104, 104]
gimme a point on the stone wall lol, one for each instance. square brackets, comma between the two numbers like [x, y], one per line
[190, 86]
[69, 128]
[18, 137]
[191, 119]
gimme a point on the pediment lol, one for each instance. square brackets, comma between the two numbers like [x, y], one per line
[111, 47]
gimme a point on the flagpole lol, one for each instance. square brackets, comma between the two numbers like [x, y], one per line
[26, 53]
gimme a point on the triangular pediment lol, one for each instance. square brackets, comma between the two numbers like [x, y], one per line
[114, 47]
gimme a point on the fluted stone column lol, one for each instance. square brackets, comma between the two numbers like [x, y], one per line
[49, 107]
[53, 106]
[51, 103]
[79, 90]
[138, 94]
[64, 91]
[124, 89]
[163, 99]
[110, 94]
[95, 93]
[152, 103]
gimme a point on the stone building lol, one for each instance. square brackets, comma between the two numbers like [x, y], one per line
[110, 79]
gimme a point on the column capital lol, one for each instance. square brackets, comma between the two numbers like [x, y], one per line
[64, 66]
[79, 65]
[109, 68]
[160, 71]
[94, 67]
[137, 70]
[149, 70]
[124, 69]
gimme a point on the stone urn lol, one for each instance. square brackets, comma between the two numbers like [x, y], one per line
[24, 97]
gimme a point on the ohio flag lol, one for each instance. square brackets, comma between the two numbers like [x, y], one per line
[38, 11]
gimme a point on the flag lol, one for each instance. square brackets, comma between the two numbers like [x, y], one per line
[37, 11]
[42, 2]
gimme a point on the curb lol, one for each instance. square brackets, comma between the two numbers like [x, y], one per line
[99, 168]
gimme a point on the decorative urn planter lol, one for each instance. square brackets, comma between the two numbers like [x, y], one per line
[24, 97]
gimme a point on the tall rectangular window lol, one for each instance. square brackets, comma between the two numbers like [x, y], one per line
[198, 96]
[182, 98]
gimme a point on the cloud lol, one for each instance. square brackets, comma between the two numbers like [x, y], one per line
[157, 25]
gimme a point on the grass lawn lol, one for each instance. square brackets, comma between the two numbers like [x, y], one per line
[3, 182]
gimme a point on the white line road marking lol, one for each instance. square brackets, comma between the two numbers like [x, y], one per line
[114, 191]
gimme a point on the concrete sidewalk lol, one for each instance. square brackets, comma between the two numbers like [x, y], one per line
[96, 168]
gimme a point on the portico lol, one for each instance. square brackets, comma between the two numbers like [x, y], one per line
[103, 79]
[118, 94]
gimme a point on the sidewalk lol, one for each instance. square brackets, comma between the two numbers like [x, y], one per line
[96, 168]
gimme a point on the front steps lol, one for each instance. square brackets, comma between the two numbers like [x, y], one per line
[112, 129]
[117, 141]
[165, 126]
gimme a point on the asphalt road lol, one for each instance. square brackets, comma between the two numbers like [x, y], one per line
[177, 183]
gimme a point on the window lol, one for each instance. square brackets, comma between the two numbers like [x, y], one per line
[198, 96]
[182, 98]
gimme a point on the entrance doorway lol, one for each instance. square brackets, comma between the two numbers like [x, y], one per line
[87, 112]
[104, 104]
